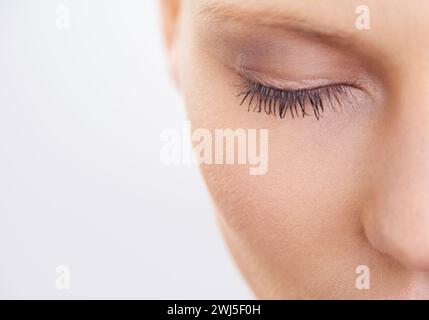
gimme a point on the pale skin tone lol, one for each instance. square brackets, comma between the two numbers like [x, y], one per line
[349, 189]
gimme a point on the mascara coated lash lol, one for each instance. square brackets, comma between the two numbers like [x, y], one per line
[298, 103]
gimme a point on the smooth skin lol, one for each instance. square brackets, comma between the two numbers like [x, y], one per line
[350, 189]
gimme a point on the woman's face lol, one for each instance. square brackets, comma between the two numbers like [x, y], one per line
[347, 185]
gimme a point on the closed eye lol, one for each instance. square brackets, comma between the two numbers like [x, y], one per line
[298, 103]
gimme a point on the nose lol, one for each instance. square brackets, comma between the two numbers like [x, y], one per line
[396, 220]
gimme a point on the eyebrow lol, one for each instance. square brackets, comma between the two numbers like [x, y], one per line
[220, 12]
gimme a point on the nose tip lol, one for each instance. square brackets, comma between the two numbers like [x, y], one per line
[413, 252]
[415, 256]
[406, 242]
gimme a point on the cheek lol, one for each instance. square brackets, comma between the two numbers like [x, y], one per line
[311, 194]
[315, 186]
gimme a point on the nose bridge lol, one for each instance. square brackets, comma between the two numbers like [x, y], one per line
[404, 140]
[397, 218]
[409, 125]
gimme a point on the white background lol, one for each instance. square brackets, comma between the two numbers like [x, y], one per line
[81, 182]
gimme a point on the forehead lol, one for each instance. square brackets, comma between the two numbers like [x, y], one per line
[396, 27]
[335, 11]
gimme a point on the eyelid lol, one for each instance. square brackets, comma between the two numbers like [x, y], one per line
[278, 83]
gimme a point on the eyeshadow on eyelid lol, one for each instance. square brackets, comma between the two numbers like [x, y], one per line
[287, 56]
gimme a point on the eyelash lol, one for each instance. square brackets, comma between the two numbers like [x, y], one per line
[279, 102]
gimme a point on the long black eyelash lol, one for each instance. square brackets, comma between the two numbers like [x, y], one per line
[281, 102]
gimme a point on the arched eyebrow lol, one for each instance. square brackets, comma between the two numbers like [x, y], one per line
[223, 12]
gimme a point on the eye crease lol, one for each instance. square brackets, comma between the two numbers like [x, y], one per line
[298, 103]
